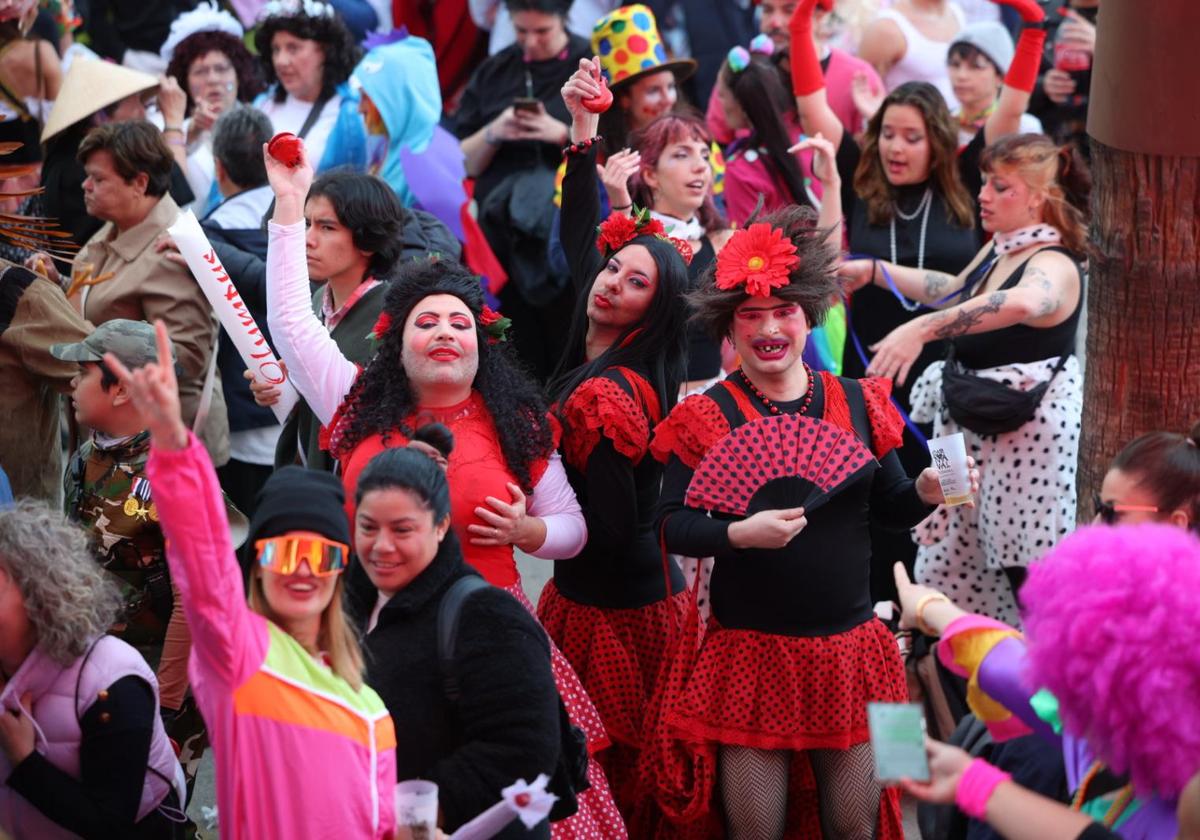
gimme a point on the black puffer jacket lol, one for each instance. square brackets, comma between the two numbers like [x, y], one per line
[505, 724]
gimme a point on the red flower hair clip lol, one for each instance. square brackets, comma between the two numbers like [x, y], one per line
[759, 257]
[494, 325]
[382, 324]
[618, 230]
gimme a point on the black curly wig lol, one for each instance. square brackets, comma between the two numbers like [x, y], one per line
[249, 75]
[342, 52]
[382, 400]
[812, 285]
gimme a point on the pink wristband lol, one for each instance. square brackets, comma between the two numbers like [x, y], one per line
[975, 788]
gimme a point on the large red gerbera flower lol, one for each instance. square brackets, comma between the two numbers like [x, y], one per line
[759, 257]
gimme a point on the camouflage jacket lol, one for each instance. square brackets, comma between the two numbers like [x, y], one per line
[108, 493]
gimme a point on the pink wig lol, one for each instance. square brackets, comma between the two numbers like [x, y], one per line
[1112, 616]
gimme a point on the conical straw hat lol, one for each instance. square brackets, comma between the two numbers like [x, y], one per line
[89, 86]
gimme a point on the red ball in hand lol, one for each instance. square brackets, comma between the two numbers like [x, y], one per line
[603, 101]
[285, 148]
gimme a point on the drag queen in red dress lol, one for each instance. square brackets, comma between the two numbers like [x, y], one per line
[441, 359]
[777, 471]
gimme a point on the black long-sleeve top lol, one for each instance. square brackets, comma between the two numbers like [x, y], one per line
[114, 751]
[819, 584]
[621, 566]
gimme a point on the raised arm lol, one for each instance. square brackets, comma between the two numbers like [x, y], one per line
[808, 82]
[1022, 72]
[580, 196]
[1044, 297]
[226, 641]
[317, 368]
[825, 168]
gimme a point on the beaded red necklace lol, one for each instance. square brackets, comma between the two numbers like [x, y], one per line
[767, 402]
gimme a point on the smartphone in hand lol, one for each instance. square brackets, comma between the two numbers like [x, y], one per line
[898, 741]
[527, 105]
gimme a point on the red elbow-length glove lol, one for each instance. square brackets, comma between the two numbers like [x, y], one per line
[805, 66]
[1027, 59]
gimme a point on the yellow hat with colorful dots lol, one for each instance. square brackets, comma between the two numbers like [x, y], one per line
[629, 46]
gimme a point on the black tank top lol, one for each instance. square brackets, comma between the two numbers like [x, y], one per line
[1021, 343]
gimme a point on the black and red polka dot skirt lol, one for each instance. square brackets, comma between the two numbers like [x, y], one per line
[619, 656]
[776, 692]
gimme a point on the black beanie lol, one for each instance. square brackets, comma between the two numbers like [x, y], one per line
[298, 499]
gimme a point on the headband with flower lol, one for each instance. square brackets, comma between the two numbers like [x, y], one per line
[618, 230]
[759, 257]
[495, 326]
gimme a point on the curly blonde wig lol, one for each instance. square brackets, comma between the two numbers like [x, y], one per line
[69, 598]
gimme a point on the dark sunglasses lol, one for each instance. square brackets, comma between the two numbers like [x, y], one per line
[1107, 511]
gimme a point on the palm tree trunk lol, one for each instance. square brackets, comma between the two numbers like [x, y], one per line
[1143, 341]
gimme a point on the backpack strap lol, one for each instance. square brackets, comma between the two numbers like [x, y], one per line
[449, 611]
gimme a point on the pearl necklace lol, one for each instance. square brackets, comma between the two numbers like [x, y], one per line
[770, 405]
[922, 211]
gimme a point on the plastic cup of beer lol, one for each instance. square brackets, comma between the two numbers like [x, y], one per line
[416, 809]
[949, 455]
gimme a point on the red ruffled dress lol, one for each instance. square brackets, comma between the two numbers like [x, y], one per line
[477, 469]
[793, 652]
[616, 607]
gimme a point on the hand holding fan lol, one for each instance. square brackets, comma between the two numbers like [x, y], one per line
[774, 463]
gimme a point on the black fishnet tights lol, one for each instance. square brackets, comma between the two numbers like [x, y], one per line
[754, 783]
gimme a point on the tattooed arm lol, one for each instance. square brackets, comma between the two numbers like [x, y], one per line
[1045, 296]
[922, 285]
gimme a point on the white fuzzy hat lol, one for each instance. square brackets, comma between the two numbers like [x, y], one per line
[206, 17]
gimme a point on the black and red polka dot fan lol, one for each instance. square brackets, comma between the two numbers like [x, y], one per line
[777, 462]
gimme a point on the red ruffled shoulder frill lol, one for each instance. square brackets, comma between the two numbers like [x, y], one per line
[887, 426]
[538, 468]
[600, 407]
[689, 431]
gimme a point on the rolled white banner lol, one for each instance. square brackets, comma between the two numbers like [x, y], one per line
[231, 310]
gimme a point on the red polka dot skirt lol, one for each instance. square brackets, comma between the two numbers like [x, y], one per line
[597, 817]
[619, 655]
[788, 692]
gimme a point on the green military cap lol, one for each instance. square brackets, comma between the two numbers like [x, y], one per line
[130, 341]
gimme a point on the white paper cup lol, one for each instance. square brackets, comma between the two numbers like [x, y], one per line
[417, 809]
[949, 455]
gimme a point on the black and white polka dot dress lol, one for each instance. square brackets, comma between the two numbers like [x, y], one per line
[1026, 499]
